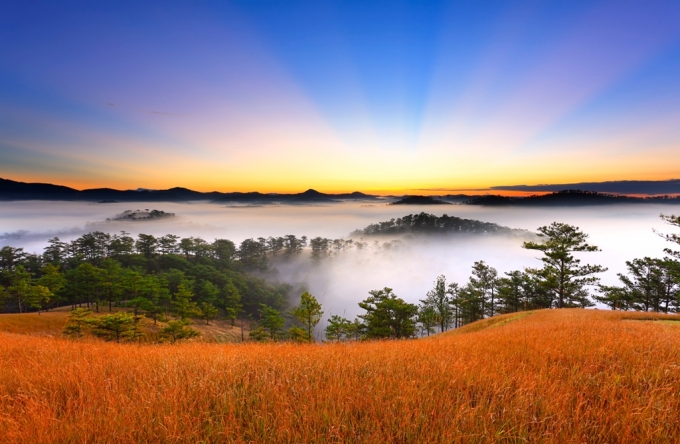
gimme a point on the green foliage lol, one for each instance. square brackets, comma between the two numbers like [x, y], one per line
[308, 313]
[84, 283]
[511, 293]
[140, 304]
[77, 323]
[117, 327]
[182, 304]
[388, 316]
[52, 278]
[428, 318]
[146, 244]
[100, 267]
[11, 257]
[231, 301]
[208, 292]
[24, 292]
[356, 330]
[650, 284]
[482, 287]
[178, 330]
[208, 312]
[259, 334]
[253, 254]
[337, 328]
[297, 334]
[271, 321]
[616, 298]
[225, 250]
[195, 278]
[436, 307]
[673, 237]
[561, 271]
[431, 224]
[341, 329]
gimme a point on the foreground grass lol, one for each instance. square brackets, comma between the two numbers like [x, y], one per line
[553, 376]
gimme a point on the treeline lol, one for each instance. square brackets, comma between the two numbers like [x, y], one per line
[430, 224]
[177, 280]
[562, 281]
[103, 269]
[154, 276]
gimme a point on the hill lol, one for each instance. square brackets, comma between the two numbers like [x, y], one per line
[13, 190]
[551, 376]
[568, 198]
[425, 223]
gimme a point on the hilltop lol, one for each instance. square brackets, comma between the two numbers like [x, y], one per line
[425, 223]
[568, 375]
[136, 215]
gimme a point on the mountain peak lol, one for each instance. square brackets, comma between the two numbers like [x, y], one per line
[312, 192]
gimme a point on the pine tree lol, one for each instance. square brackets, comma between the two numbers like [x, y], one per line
[308, 313]
[561, 271]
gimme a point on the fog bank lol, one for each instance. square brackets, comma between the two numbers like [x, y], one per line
[622, 232]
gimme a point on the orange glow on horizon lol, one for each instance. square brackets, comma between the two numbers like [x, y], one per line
[200, 186]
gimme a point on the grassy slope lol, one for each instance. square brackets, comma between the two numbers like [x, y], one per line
[51, 323]
[552, 376]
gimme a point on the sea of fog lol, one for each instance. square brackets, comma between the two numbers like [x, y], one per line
[623, 232]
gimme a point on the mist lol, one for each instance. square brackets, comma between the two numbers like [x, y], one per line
[623, 232]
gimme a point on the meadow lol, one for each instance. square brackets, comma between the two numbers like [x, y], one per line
[52, 323]
[568, 375]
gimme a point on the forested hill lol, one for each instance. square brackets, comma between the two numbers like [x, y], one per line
[425, 223]
[568, 198]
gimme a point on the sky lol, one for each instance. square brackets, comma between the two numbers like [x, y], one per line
[379, 96]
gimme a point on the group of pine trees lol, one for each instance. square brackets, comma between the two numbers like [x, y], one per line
[177, 280]
[562, 281]
[424, 223]
[158, 277]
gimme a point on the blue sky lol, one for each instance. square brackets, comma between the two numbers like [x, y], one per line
[377, 96]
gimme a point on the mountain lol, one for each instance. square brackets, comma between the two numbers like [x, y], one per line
[13, 190]
[568, 198]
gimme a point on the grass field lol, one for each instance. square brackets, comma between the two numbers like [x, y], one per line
[51, 323]
[549, 376]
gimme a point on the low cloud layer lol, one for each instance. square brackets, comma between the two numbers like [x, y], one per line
[623, 232]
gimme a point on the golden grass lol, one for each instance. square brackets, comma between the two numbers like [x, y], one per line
[49, 323]
[483, 324]
[553, 376]
[52, 323]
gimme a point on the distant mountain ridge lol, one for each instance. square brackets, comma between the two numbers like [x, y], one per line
[568, 198]
[649, 187]
[14, 190]
[420, 200]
